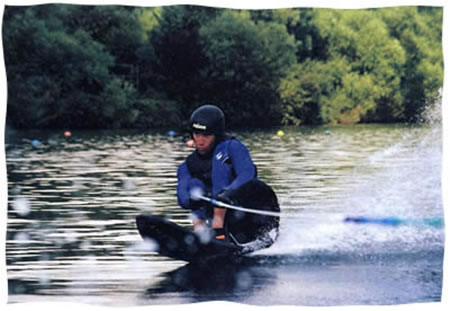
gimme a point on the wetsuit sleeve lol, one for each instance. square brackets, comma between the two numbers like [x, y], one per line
[243, 165]
[185, 184]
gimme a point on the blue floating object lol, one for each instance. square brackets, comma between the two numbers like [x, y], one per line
[171, 133]
[327, 132]
[436, 222]
[36, 143]
[390, 221]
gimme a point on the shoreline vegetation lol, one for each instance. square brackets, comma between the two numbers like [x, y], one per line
[124, 67]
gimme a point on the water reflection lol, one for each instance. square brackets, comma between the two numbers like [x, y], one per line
[216, 280]
[316, 278]
[72, 202]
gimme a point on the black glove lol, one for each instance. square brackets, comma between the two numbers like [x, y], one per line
[225, 196]
[196, 204]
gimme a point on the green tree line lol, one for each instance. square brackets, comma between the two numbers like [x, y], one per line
[80, 66]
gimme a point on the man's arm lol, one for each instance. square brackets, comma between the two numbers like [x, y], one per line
[184, 177]
[242, 163]
[186, 183]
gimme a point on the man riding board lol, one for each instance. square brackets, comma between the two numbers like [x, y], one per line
[222, 168]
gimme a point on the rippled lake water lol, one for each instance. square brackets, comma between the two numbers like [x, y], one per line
[72, 203]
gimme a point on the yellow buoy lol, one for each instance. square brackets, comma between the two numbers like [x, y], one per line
[280, 133]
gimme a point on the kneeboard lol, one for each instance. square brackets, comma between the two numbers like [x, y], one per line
[180, 243]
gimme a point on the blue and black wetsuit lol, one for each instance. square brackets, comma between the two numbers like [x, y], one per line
[228, 167]
[228, 174]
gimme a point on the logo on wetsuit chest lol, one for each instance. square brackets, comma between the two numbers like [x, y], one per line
[224, 158]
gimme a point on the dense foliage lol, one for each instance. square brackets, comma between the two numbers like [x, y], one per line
[127, 67]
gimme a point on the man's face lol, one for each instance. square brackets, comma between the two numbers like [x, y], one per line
[203, 142]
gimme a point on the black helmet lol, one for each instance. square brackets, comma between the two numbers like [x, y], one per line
[208, 119]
